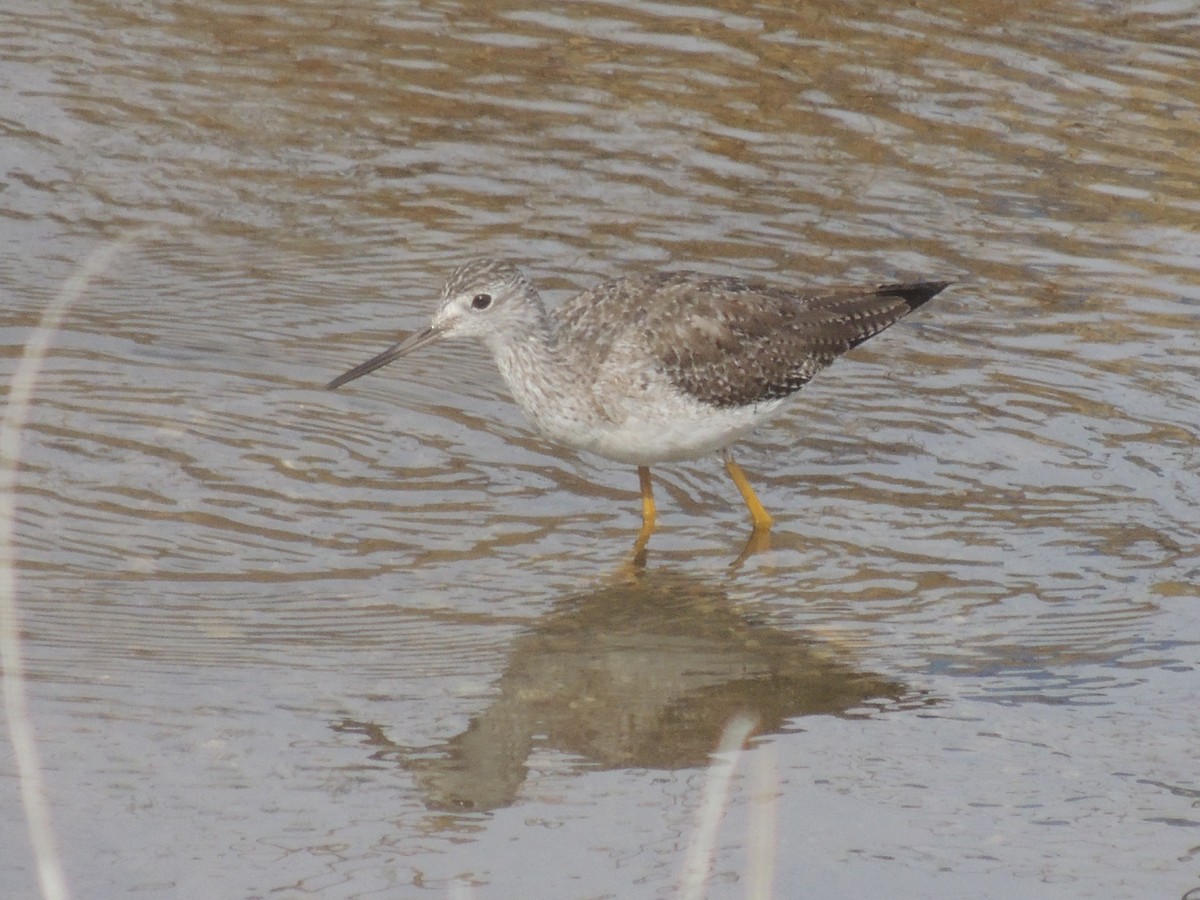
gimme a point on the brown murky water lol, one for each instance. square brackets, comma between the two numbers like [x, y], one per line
[283, 642]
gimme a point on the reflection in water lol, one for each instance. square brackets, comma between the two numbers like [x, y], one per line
[644, 673]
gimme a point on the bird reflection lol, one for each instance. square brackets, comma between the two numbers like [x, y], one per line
[642, 673]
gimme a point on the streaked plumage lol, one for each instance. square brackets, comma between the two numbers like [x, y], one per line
[656, 367]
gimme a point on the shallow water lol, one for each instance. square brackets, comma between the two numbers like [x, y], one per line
[384, 641]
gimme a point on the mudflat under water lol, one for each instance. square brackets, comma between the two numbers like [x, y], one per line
[385, 642]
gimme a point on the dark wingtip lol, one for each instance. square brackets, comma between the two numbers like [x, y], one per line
[916, 293]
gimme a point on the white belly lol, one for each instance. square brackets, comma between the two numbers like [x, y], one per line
[687, 431]
[643, 443]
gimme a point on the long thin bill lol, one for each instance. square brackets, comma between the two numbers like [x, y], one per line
[406, 346]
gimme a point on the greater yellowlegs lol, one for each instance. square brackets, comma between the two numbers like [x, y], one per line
[659, 367]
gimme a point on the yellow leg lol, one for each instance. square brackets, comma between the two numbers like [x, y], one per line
[648, 511]
[648, 516]
[762, 518]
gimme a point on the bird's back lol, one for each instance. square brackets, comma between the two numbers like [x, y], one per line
[726, 341]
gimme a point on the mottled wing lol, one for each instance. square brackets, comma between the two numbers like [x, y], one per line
[729, 342]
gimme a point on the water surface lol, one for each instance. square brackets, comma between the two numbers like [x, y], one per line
[384, 641]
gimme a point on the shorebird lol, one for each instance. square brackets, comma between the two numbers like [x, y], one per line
[657, 367]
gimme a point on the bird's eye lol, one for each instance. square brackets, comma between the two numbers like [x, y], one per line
[481, 301]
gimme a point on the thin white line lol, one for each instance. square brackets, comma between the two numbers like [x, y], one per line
[51, 876]
[763, 828]
[716, 797]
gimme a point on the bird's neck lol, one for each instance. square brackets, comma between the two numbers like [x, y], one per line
[535, 369]
[526, 341]
[529, 354]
